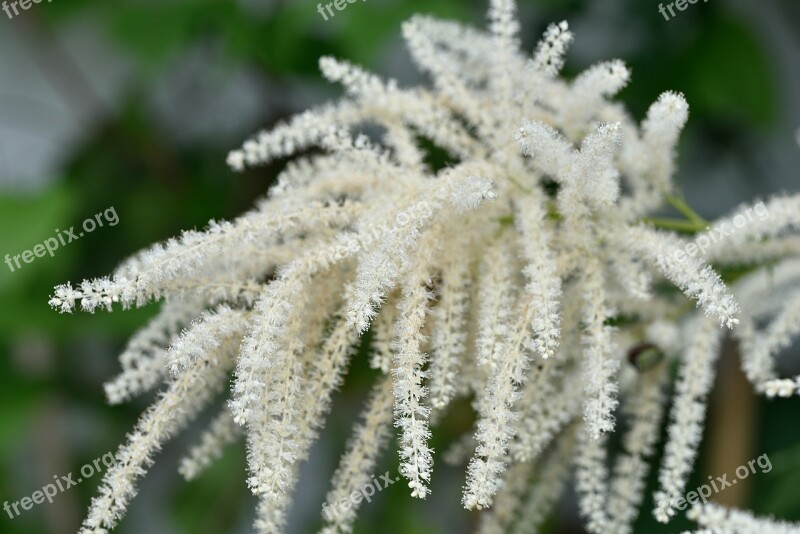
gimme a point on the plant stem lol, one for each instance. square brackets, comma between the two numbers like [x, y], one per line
[679, 225]
[680, 205]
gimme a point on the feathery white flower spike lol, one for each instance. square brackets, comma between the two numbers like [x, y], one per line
[549, 56]
[301, 132]
[205, 335]
[378, 272]
[549, 484]
[448, 338]
[548, 405]
[503, 23]
[660, 130]
[695, 379]
[496, 422]
[222, 432]
[697, 280]
[383, 333]
[168, 267]
[500, 517]
[646, 409]
[590, 174]
[281, 438]
[588, 92]
[716, 519]
[549, 401]
[759, 224]
[757, 356]
[276, 342]
[511, 208]
[185, 396]
[360, 460]
[144, 359]
[495, 302]
[410, 412]
[600, 366]
[544, 284]
[591, 480]
[497, 403]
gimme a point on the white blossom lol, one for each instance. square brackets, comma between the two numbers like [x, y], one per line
[360, 460]
[517, 276]
[716, 519]
[222, 431]
[687, 416]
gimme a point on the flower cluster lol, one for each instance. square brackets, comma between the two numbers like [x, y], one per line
[526, 286]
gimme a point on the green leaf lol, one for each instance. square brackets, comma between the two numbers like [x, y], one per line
[29, 221]
[728, 74]
[154, 32]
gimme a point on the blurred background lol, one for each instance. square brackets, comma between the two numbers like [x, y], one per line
[133, 104]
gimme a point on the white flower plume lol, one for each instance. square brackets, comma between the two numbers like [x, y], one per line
[519, 269]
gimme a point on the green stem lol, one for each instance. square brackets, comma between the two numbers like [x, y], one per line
[680, 205]
[679, 225]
